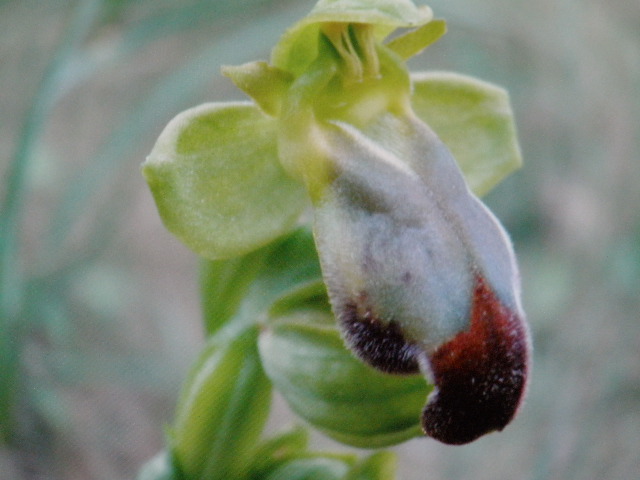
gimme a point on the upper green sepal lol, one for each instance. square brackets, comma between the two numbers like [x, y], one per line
[299, 46]
[217, 182]
[394, 13]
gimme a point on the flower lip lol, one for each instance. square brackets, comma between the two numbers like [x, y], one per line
[420, 272]
[480, 375]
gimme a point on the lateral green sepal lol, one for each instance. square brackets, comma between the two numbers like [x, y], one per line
[217, 181]
[474, 119]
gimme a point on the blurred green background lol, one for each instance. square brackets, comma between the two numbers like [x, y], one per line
[99, 307]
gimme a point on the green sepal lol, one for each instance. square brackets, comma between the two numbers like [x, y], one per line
[354, 404]
[379, 466]
[415, 41]
[222, 410]
[217, 182]
[474, 119]
[299, 46]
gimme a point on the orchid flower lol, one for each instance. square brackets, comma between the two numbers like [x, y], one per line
[420, 275]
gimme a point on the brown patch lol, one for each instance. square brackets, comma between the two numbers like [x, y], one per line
[480, 375]
[379, 344]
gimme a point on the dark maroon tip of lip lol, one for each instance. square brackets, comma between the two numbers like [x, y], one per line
[381, 345]
[480, 374]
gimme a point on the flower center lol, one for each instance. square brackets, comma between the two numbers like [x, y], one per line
[355, 44]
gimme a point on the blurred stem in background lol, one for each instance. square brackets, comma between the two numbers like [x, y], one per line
[27, 279]
[13, 324]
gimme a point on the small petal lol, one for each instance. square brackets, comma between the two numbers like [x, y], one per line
[413, 42]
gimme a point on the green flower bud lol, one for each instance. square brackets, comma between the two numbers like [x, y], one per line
[315, 467]
[304, 356]
[274, 452]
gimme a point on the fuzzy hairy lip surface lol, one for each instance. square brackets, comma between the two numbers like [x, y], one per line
[381, 345]
[480, 375]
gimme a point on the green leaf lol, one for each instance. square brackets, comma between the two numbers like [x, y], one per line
[222, 411]
[309, 295]
[292, 264]
[474, 119]
[218, 185]
[243, 288]
[379, 466]
[305, 357]
[413, 42]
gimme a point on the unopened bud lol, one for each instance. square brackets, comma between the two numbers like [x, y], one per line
[304, 356]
